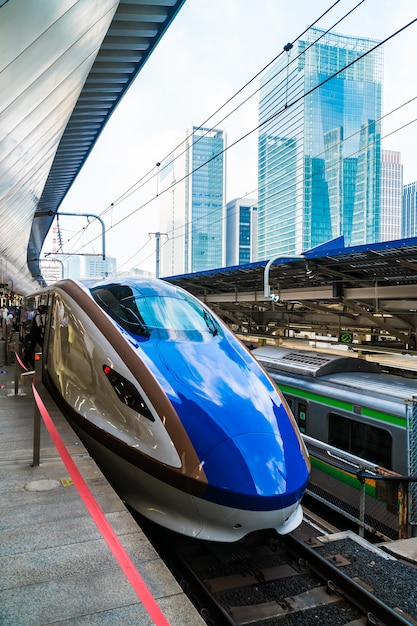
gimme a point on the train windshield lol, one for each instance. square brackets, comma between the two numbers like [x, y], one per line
[141, 314]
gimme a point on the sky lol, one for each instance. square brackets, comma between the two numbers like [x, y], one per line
[211, 50]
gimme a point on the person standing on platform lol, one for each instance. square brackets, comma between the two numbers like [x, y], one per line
[4, 315]
[35, 336]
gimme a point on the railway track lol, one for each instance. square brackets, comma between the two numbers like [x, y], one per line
[271, 580]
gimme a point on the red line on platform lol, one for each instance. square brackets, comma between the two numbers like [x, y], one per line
[101, 521]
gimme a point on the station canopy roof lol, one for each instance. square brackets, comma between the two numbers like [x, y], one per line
[64, 67]
[329, 290]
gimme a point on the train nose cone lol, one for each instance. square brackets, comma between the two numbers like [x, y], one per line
[250, 471]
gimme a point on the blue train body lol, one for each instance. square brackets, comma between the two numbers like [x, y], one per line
[236, 421]
[214, 451]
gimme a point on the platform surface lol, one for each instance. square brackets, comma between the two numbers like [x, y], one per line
[55, 566]
[403, 549]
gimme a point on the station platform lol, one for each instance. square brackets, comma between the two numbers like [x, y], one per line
[57, 564]
[404, 549]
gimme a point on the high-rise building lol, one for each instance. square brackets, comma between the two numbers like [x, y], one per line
[93, 266]
[319, 145]
[88, 266]
[409, 210]
[192, 204]
[241, 231]
[391, 195]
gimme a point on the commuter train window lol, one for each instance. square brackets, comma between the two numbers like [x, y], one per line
[301, 417]
[339, 432]
[127, 392]
[363, 440]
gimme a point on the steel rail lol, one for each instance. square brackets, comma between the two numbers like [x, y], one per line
[352, 591]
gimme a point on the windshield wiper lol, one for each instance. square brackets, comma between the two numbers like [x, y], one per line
[210, 323]
[134, 320]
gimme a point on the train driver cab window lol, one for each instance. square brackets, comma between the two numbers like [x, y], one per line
[363, 440]
[143, 314]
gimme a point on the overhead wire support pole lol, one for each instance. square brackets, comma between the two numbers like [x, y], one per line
[157, 236]
[267, 286]
[97, 217]
[103, 228]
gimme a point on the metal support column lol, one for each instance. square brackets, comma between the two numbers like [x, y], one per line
[411, 415]
[37, 381]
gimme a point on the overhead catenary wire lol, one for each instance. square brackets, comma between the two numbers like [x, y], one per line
[273, 116]
[281, 190]
[144, 178]
[280, 112]
[151, 172]
[319, 171]
[150, 175]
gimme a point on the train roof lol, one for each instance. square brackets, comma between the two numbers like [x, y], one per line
[364, 382]
[310, 363]
[381, 385]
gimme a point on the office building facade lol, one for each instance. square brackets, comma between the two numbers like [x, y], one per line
[241, 231]
[82, 267]
[192, 204]
[409, 210]
[391, 195]
[319, 155]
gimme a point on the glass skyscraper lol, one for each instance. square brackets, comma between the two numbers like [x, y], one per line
[192, 203]
[241, 231]
[409, 210]
[319, 146]
[391, 195]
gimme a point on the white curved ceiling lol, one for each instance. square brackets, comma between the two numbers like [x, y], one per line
[64, 67]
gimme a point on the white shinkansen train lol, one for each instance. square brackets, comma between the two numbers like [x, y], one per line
[183, 421]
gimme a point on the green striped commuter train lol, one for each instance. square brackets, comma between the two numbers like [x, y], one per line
[352, 405]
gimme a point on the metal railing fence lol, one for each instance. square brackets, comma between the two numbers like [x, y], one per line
[377, 500]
